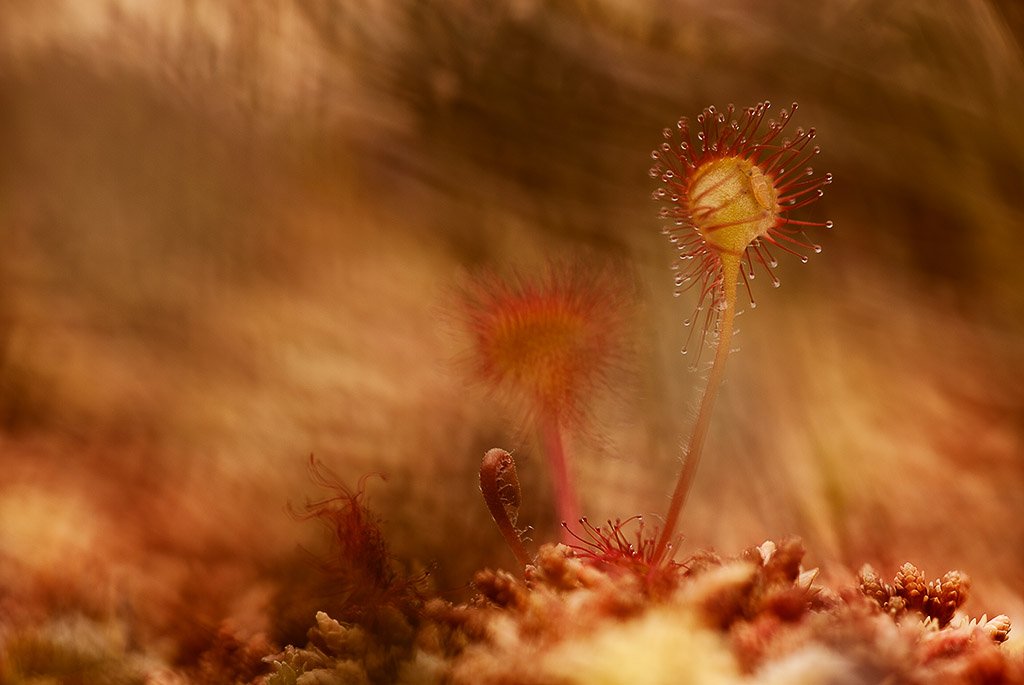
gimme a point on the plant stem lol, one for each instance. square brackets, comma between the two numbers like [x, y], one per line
[566, 503]
[730, 274]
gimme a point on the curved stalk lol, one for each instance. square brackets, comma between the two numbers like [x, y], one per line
[499, 485]
[730, 275]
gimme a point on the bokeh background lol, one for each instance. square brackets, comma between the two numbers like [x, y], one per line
[229, 233]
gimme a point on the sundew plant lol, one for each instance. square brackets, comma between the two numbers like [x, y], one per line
[731, 190]
[730, 197]
[612, 603]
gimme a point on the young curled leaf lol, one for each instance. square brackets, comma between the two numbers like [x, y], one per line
[499, 485]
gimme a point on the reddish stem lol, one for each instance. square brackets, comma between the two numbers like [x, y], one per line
[566, 503]
[730, 274]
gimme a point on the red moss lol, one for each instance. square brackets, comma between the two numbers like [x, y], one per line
[360, 563]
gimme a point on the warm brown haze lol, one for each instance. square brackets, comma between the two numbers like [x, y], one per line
[436, 342]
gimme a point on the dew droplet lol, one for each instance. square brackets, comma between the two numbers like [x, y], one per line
[803, 259]
[829, 224]
[817, 249]
[655, 155]
[654, 172]
[667, 132]
[666, 147]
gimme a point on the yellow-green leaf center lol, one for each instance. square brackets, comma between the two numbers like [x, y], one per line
[732, 203]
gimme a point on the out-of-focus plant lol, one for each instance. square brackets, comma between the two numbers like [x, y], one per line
[548, 345]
